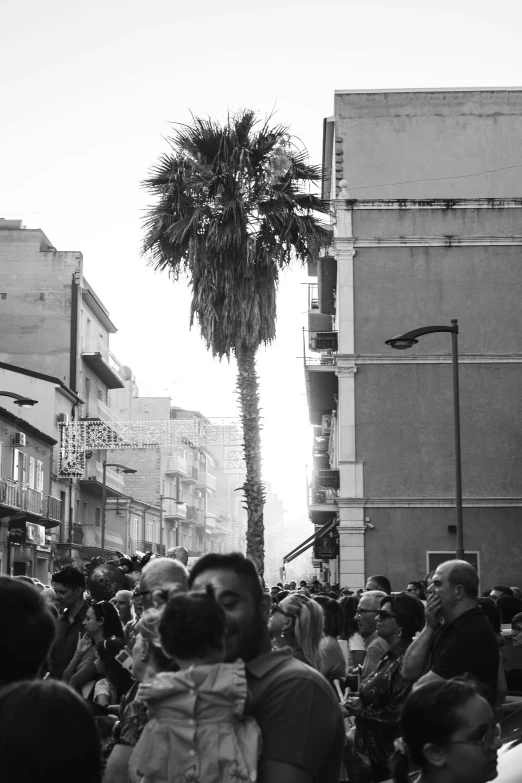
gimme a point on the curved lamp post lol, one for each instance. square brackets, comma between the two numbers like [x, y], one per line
[123, 469]
[408, 340]
[19, 399]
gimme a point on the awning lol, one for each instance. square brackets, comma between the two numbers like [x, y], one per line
[310, 541]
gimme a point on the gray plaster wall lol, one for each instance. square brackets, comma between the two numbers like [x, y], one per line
[434, 221]
[401, 288]
[404, 430]
[436, 144]
[401, 537]
[35, 314]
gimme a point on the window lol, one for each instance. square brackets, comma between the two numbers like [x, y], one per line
[98, 517]
[39, 476]
[87, 382]
[100, 393]
[32, 472]
[18, 465]
[77, 520]
[434, 559]
[134, 529]
[156, 533]
[148, 528]
[84, 514]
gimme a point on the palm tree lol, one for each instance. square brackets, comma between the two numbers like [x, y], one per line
[233, 208]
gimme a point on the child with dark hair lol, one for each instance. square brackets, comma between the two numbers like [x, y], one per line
[115, 681]
[197, 726]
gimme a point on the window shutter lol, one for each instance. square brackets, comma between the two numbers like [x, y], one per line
[25, 468]
[39, 476]
[31, 473]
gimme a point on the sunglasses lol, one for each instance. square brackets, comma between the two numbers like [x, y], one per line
[382, 615]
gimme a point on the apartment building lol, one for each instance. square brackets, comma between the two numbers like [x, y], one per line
[428, 228]
[54, 324]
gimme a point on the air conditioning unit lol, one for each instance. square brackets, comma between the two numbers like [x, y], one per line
[18, 439]
[62, 418]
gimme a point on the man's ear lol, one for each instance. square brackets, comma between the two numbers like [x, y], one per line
[265, 605]
[434, 754]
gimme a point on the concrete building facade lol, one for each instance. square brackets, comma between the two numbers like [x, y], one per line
[428, 227]
[54, 324]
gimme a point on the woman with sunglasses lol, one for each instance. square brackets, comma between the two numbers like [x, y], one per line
[382, 694]
[449, 731]
[101, 622]
[297, 622]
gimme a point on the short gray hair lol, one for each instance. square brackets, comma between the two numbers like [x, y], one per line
[376, 597]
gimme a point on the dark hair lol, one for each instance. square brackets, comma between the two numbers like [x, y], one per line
[508, 606]
[303, 582]
[105, 611]
[27, 630]
[118, 676]
[70, 577]
[409, 611]
[429, 714]
[282, 594]
[192, 625]
[61, 729]
[491, 611]
[349, 604]
[383, 583]
[232, 561]
[420, 587]
[333, 615]
[504, 590]
[517, 618]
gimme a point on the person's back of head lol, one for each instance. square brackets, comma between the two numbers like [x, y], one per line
[27, 630]
[107, 614]
[308, 626]
[193, 627]
[490, 609]
[54, 723]
[517, 592]
[508, 606]
[333, 615]
[507, 591]
[69, 576]
[380, 583]
[162, 574]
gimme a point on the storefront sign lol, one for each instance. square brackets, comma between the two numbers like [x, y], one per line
[35, 534]
[326, 548]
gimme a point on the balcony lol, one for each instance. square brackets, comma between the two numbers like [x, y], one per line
[101, 361]
[93, 480]
[177, 466]
[322, 495]
[19, 497]
[192, 475]
[106, 414]
[113, 540]
[323, 341]
[206, 481]
[52, 508]
[173, 509]
[196, 515]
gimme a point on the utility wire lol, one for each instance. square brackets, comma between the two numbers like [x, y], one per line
[350, 188]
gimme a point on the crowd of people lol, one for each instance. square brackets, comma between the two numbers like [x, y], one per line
[210, 676]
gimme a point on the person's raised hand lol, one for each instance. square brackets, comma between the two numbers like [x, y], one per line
[433, 611]
[84, 644]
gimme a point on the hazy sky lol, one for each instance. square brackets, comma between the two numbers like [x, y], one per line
[88, 94]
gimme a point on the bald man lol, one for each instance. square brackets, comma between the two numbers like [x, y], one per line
[464, 643]
[123, 603]
[163, 573]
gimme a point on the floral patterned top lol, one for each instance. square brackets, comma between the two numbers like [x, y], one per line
[382, 695]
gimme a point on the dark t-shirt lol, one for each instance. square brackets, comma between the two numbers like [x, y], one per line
[64, 645]
[468, 646]
[300, 718]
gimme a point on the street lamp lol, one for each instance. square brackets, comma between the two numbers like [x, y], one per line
[408, 340]
[23, 402]
[123, 469]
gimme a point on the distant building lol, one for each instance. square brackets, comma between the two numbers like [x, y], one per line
[53, 323]
[428, 227]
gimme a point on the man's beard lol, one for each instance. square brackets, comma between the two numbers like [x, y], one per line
[251, 642]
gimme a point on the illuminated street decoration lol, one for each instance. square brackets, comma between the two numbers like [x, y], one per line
[92, 435]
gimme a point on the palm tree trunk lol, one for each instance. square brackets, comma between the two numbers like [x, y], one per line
[248, 390]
